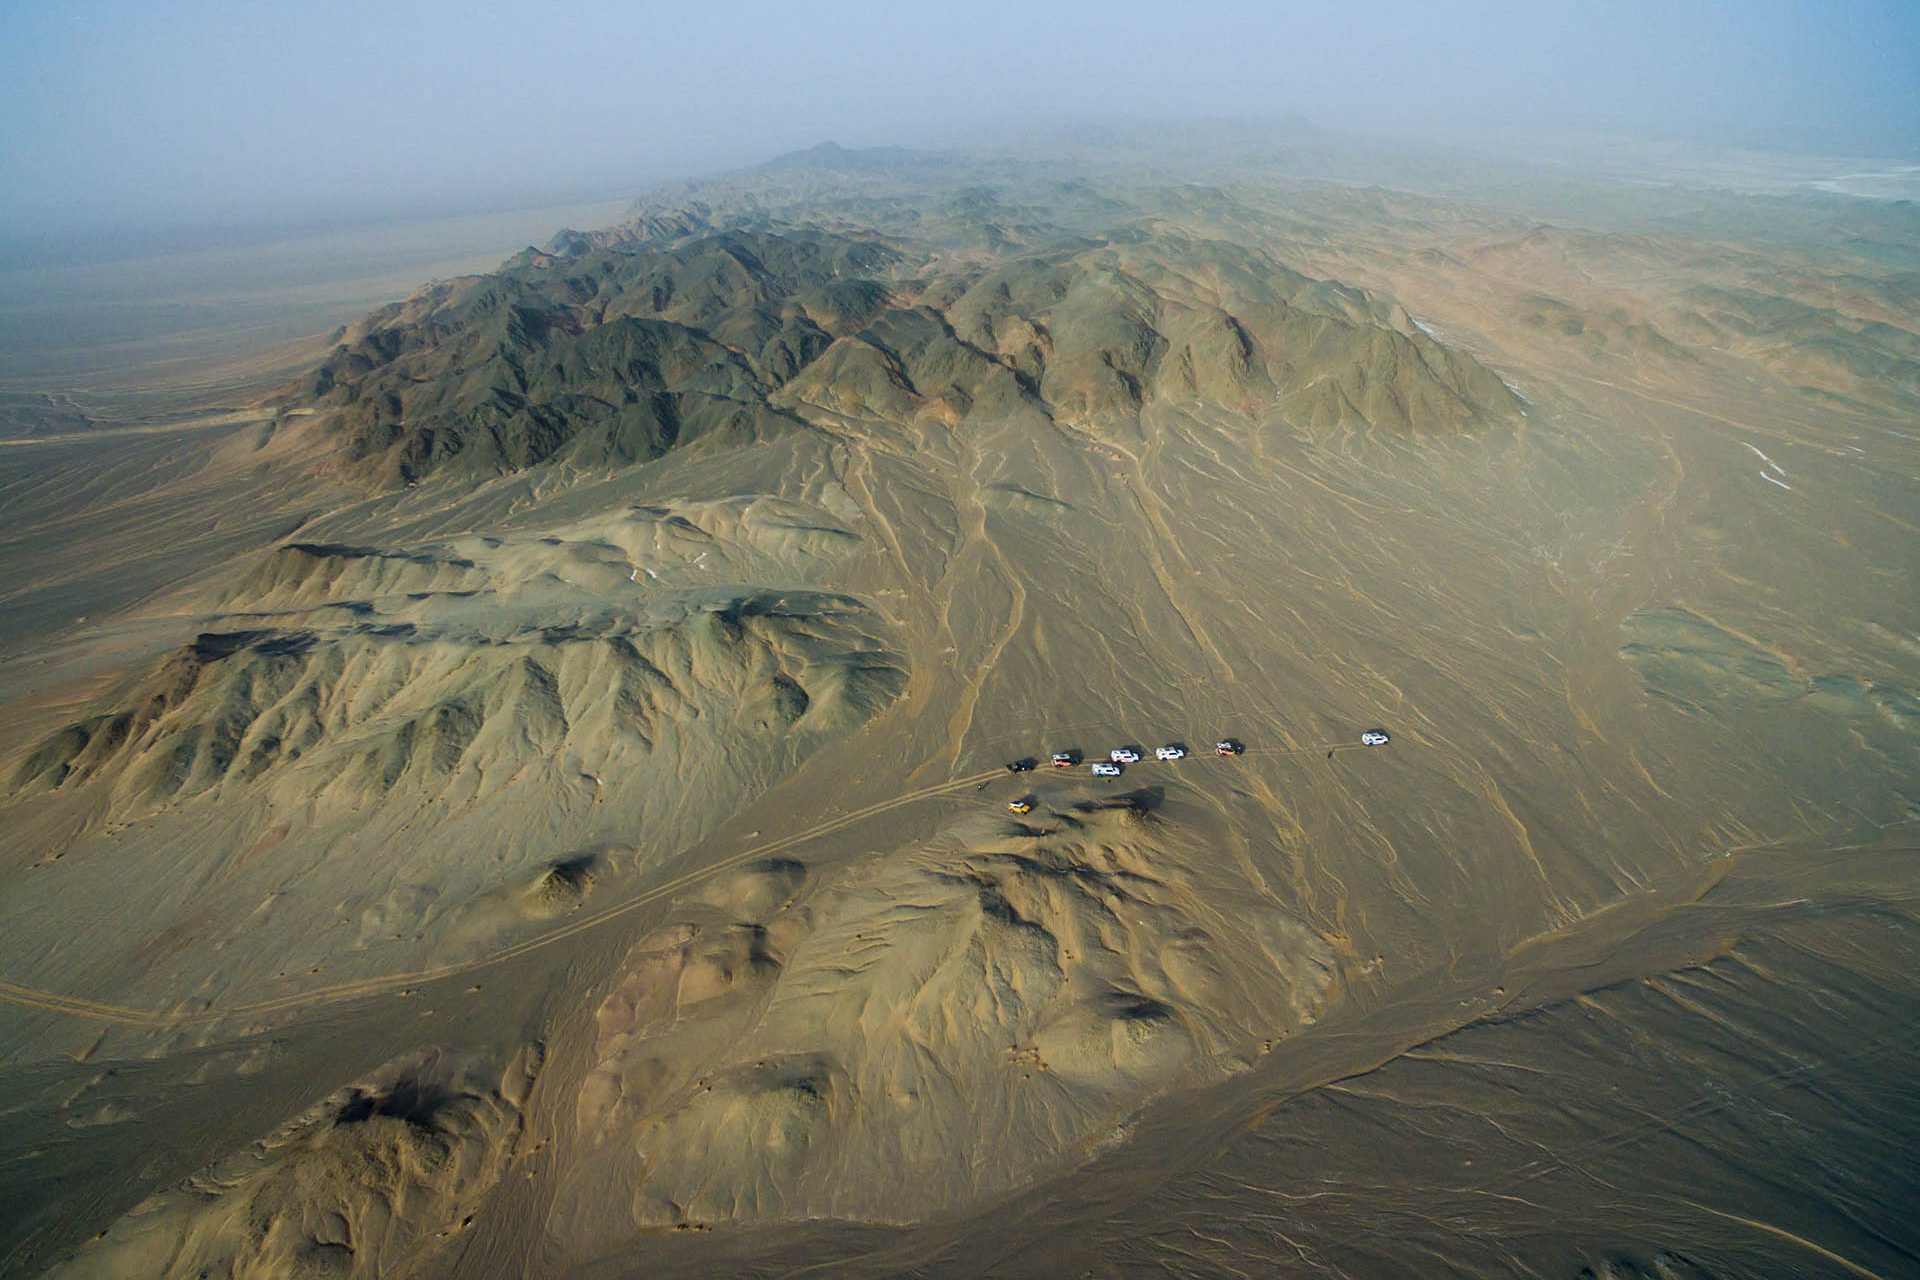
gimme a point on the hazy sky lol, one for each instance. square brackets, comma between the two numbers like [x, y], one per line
[130, 112]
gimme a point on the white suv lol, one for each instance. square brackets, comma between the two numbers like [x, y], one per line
[1169, 753]
[1124, 755]
[1102, 769]
[1375, 738]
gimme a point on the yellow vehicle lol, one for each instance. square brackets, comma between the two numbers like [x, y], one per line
[1023, 805]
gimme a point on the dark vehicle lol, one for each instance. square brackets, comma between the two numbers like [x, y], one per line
[1027, 765]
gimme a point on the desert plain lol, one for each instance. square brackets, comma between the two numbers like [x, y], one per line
[518, 784]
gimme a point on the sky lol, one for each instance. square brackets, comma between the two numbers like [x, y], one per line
[125, 114]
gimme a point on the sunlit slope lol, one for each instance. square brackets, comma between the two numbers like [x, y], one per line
[617, 354]
[422, 739]
[775, 1052]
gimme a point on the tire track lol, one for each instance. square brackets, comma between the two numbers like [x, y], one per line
[1153, 511]
[75, 1006]
[961, 722]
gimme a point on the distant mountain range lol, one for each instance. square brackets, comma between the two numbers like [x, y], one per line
[701, 321]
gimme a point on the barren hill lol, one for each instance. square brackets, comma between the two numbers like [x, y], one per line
[614, 353]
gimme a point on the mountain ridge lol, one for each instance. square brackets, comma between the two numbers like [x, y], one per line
[614, 349]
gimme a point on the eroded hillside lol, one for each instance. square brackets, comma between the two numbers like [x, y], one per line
[616, 353]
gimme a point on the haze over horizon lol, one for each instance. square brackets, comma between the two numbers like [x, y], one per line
[987, 645]
[121, 116]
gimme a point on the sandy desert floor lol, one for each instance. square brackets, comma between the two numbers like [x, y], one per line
[605, 870]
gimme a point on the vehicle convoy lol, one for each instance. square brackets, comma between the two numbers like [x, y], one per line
[1375, 738]
[1120, 757]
